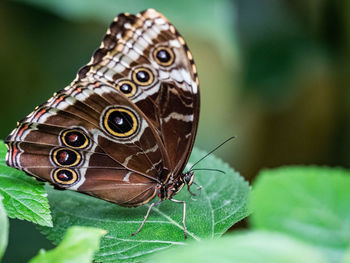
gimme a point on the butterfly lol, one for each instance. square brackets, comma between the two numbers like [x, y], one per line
[124, 129]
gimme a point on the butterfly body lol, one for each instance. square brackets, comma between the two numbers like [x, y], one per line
[123, 130]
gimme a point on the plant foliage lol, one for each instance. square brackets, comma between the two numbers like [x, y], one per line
[78, 245]
[221, 203]
[308, 203]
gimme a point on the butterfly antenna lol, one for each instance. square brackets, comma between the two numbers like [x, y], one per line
[208, 169]
[209, 153]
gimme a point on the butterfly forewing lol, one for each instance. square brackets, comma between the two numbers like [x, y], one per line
[126, 124]
[170, 98]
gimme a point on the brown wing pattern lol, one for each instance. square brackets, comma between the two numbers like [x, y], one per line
[131, 165]
[171, 100]
[125, 124]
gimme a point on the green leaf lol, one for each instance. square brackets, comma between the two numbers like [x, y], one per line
[223, 202]
[4, 229]
[24, 197]
[346, 258]
[310, 203]
[251, 247]
[78, 245]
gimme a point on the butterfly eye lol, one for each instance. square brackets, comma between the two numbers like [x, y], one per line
[142, 76]
[66, 157]
[164, 56]
[65, 176]
[127, 87]
[75, 139]
[120, 122]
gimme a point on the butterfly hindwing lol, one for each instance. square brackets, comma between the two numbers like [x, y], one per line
[41, 143]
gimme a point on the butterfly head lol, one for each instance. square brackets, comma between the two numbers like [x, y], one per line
[168, 190]
[188, 177]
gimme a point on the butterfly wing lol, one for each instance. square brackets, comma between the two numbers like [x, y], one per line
[133, 111]
[147, 44]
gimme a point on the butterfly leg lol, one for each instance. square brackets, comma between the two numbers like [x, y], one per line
[184, 215]
[199, 188]
[146, 216]
[189, 190]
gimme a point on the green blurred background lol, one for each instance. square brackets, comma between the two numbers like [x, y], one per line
[274, 73]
